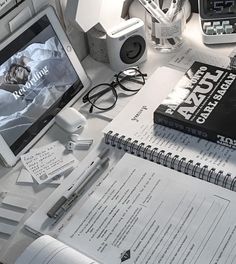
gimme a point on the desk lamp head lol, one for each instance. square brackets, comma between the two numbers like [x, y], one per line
[86, 14]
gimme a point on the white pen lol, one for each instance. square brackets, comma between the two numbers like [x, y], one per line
[172, 10]
[95, 166]
[73, 197]
[155, 11]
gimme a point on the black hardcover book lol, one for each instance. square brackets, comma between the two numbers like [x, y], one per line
[203, 103]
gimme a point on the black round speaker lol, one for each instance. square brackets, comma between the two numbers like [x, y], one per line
[132, 49]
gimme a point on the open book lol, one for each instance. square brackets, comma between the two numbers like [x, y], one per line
[135, 131]
[141, 212]
[46, 250]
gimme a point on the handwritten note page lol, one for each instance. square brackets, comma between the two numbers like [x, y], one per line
[47, 162]
[147, 213]
[46, 250]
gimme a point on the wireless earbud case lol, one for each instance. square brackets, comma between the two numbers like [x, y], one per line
[70, 119]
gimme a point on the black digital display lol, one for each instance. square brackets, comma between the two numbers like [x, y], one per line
[219, 7]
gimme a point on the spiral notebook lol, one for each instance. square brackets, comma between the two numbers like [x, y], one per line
[134, 131]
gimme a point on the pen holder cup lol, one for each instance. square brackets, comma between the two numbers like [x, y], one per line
[166, 37]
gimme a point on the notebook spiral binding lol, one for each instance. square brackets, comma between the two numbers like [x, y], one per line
[171, 161]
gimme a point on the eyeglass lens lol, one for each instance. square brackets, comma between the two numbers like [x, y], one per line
[103, 96]
[131, 80]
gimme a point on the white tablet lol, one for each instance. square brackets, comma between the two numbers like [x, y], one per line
[39, 75]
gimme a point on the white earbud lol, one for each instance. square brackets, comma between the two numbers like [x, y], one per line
[70, 145]
[77, 141]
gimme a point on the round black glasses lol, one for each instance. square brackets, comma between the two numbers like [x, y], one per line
[104, 96]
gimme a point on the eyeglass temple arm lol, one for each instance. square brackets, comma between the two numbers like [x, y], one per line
[133, 79]
[92, 103]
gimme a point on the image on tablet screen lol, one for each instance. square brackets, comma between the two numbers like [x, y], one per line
[34, 80]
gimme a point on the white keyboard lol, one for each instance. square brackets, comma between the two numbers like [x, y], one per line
[219, 31]
[218, 27]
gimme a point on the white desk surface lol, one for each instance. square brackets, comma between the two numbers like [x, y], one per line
[98, 72]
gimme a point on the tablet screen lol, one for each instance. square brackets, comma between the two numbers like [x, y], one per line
[37, 79]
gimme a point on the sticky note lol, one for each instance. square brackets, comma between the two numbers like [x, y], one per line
[10, 215]
[16, 201]
[7, 229]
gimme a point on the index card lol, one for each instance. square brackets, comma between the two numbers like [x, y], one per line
[21, 18]
[47, 162]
